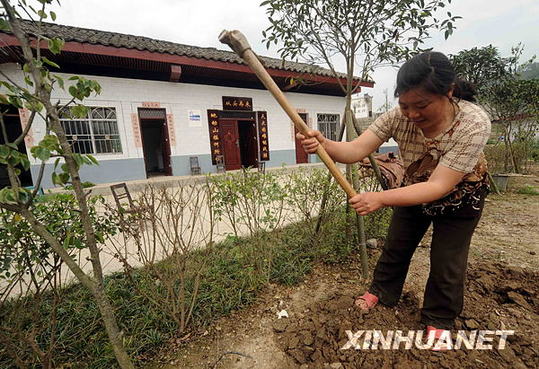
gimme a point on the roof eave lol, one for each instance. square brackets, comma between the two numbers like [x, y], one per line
[96, 49]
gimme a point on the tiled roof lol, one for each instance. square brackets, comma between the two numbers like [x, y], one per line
[96, 37]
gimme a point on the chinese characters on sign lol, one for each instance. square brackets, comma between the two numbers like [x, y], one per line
[136, 130]
[171, 130]
[150, 104]
[262, 121]
[237, 103]
[215, 137]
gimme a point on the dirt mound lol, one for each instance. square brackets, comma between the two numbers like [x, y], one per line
[496, 298]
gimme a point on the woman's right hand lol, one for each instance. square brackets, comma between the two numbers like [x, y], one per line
[311, 142]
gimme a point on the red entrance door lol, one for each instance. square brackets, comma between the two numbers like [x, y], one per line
[231, 144]
[301, 155]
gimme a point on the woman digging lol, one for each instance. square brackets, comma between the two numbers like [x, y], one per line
[441, 135]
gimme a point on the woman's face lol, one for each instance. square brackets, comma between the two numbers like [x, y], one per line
[424, 109]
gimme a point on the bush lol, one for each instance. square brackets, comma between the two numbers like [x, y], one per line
[22, 250]
[499, 161]
[230, 277]
[35, 314]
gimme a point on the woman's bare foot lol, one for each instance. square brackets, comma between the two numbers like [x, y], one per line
[366, 301]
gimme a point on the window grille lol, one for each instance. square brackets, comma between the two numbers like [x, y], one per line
[95, 134]
[328, 124]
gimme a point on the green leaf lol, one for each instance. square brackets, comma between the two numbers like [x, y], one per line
[12, 160]
[87, 184]
[55, 45]
[59, 179]
[25, 163]
[60, 81]
[96, 87]
[79, 111]
[93, 159]
[15, 101]
[73, 91]
[28, 81]
[64, 177]
[4, 25]
[68, 241]
[53, 16]
[34, 105]
[4, 151]
[40, 153]
[49, 62]
[79, 159]
[78, 244]
[24, 194]
[7, 196]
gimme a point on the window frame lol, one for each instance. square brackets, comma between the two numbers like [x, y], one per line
[89, 123]
[326, 124]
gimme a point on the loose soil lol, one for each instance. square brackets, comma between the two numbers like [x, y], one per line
[502, 292]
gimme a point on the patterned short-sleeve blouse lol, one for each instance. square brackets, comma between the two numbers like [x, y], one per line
[458, 147]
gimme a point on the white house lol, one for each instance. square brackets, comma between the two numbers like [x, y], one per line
[362, 105]
[362, 109]
[165, 106]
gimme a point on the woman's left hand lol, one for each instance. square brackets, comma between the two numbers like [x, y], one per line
[367, 202]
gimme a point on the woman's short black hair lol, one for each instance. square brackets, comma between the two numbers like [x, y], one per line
[432, 71]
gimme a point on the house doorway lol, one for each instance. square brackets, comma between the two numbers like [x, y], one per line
[248, 143]
[240, 143]
[12, 122]
[155, 142]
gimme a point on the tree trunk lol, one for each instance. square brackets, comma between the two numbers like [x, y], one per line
[509, 147]
[113, 331]
[352, 171]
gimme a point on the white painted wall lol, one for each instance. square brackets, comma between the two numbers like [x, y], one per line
[126, 95]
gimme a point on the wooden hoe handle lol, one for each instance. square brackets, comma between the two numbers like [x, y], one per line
[237, 42]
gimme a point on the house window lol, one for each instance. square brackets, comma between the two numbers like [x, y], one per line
[95, 134]
[328, 124]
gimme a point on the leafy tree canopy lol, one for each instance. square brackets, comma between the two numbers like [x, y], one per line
[501, 88]
[485, 66]
[367, 32]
